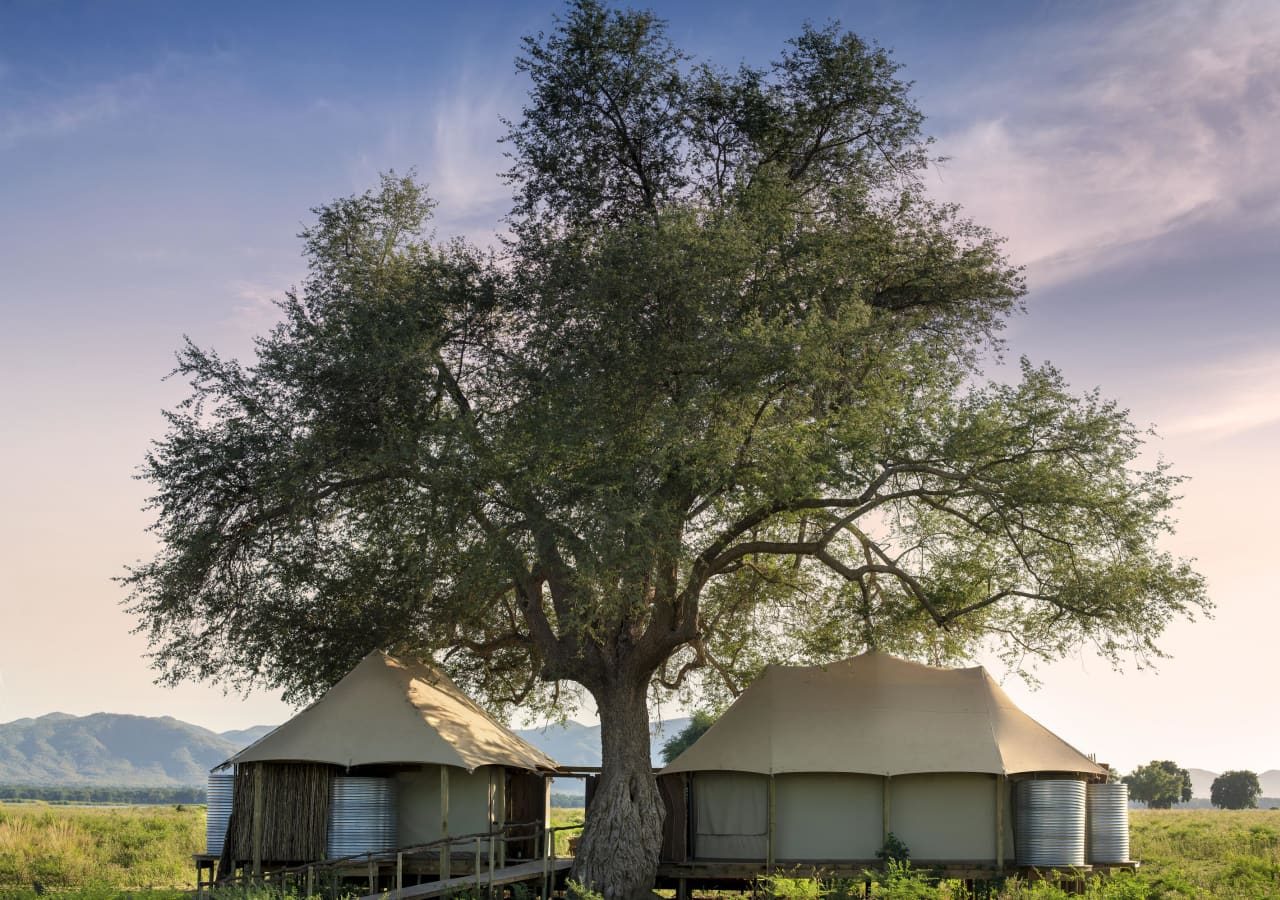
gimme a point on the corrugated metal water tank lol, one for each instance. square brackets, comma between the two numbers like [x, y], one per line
[1051, 823]
[218, 796]
[362, 816]
[1108, 823]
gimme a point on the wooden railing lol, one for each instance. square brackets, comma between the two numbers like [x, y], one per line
[310, 876]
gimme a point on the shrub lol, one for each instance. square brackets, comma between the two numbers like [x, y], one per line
[893, 850]
[576, 891]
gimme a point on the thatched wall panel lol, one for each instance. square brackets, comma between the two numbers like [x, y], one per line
[295, 811]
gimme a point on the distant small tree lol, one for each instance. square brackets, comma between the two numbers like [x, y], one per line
[1159, 784]
[1237, 789]
[697, 727]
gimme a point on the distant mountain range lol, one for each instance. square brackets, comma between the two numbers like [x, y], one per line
[111, 749]
[106, 749]
[575, 744]
[139, 751]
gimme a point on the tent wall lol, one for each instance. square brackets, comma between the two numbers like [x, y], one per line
[945, 817]
[828, 817]
[731, 815]
[419, 811]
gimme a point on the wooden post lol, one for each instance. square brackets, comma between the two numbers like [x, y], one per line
[444, 823]
[1000, 822]
[547, 837]
[311, 881]
[371, 869]
[491, 861]
[399, 873]
[477, 867]
[500, 813]
[773, 823]
[885, 828]
[546, 801]
[256, 830]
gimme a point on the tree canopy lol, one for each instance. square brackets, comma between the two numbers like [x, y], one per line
[716, 402]
[1237, 789]
[699, 722]
[1159, 784]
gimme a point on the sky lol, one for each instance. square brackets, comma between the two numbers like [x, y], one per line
[157, 161]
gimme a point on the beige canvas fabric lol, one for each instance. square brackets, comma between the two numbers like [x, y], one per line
[828, 815]
[876, 714]
[731, 816]
[945, 815]
[391, 711]
[418, 818]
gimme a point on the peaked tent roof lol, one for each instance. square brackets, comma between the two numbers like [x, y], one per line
[878, 715]
[386, 710]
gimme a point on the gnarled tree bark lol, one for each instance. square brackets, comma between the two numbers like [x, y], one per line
[618, 854]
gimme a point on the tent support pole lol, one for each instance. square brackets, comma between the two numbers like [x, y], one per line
[500, 814]
[495, 775]
[1000, 822]
[546, 801]
[257, 821]
[885, 812]
[773, 822]
[444, 822]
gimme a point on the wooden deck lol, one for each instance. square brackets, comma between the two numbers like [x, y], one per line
[525, 871]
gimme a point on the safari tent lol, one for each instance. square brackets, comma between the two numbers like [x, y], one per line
[820, 763]
[393, 755]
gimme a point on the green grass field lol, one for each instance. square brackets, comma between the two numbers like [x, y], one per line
[1208, 853]
[91, 853]
[64, 847]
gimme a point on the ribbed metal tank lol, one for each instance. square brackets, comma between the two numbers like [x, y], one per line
[362, 816]
[1108, 823]
[218, 796]
[1051, 823]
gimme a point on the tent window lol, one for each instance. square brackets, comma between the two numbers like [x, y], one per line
[731, 815]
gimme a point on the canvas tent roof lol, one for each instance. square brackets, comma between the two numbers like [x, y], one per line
[877, 714]
[387, 710]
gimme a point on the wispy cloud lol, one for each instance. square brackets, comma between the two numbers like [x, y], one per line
[1227, 399]
[67, 114]
[466, 156]
[255, 310]
[451, 138]
[1116, 133]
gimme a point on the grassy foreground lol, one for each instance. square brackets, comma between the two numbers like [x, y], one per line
[64, 847]
[91, 853]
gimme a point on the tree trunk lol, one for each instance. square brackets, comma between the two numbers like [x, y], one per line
[618, 854]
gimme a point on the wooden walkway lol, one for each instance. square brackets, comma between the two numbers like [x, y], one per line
[507, 875]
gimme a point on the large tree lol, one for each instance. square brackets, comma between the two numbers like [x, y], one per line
[715, 403]
[1237, 789]
[1160, 784]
